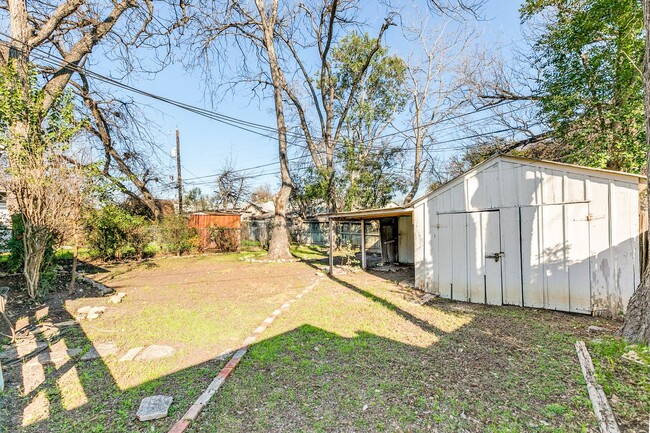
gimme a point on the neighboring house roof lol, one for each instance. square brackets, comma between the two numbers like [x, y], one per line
[265, 207]
[578, 169]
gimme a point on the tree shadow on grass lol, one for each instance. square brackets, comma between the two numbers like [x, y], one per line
[52, 390]
[382, 301]
[74, 395]
[312, 379]
[499, 370]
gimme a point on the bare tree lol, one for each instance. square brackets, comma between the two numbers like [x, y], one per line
[261, 194]
[323, 96]
[232, 186]
[121, 134]
[253, 28]
[458, 9]
[436, 88]
[60, 40]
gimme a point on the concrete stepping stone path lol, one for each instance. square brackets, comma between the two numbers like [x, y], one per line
[56, 357]
[117, 298]
[193, 412]
[100, 350]
[90, 313]
[22, 350]
[132, 353]
[155, 352]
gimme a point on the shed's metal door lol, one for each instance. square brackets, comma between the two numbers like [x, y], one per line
[470, 257]
[555, 246]
[493, 257]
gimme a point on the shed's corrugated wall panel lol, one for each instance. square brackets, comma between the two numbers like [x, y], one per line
[601, 258]
[557, 227]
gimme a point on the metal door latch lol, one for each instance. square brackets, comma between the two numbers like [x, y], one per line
[495, 256]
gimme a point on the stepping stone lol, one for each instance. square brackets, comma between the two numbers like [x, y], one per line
[633, 357]
[84, 310]
[95, 312]
[22, 322]
[425, 299]
[132, 353]
[22, 349]
[100, 350]
[57, 357]
[66, 323]
[42, 313]
[117, 298]
[594, 328]
[155, 352]
[154, 407]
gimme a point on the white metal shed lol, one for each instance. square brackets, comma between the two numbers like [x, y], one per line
[531, 233]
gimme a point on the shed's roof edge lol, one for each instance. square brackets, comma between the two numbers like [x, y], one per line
[532, 161]
[370, 213]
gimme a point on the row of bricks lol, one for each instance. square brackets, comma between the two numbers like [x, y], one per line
[194, 410]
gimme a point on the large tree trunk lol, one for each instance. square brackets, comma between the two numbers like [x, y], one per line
[279, 247]
[637, 318]
[35, 242]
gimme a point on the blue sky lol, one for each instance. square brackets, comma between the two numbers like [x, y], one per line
[206, 144]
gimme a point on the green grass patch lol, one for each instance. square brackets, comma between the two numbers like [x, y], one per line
[309, 252]
[626, 383]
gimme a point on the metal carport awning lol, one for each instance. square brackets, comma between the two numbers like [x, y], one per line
[361, 215]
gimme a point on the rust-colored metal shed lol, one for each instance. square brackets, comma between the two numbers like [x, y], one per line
[226, 224]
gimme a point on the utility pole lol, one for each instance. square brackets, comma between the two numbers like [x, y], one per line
[179, 182]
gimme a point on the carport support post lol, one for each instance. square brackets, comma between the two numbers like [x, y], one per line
[331, 247]
[363, 244]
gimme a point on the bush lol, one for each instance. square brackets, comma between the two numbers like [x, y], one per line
[178, 236]
[224, 239]
[113, 233]
[16, 257]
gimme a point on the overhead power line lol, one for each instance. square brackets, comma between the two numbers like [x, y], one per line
[260, 129]
[252, 127]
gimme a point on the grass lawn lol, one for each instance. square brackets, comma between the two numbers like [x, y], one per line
[356, 354]
[626, 383]
[200, 306]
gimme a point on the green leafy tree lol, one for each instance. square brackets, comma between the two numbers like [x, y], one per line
[379, 95]
[589, 54]
[362, 173]
[375, 181]
[36, 173]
